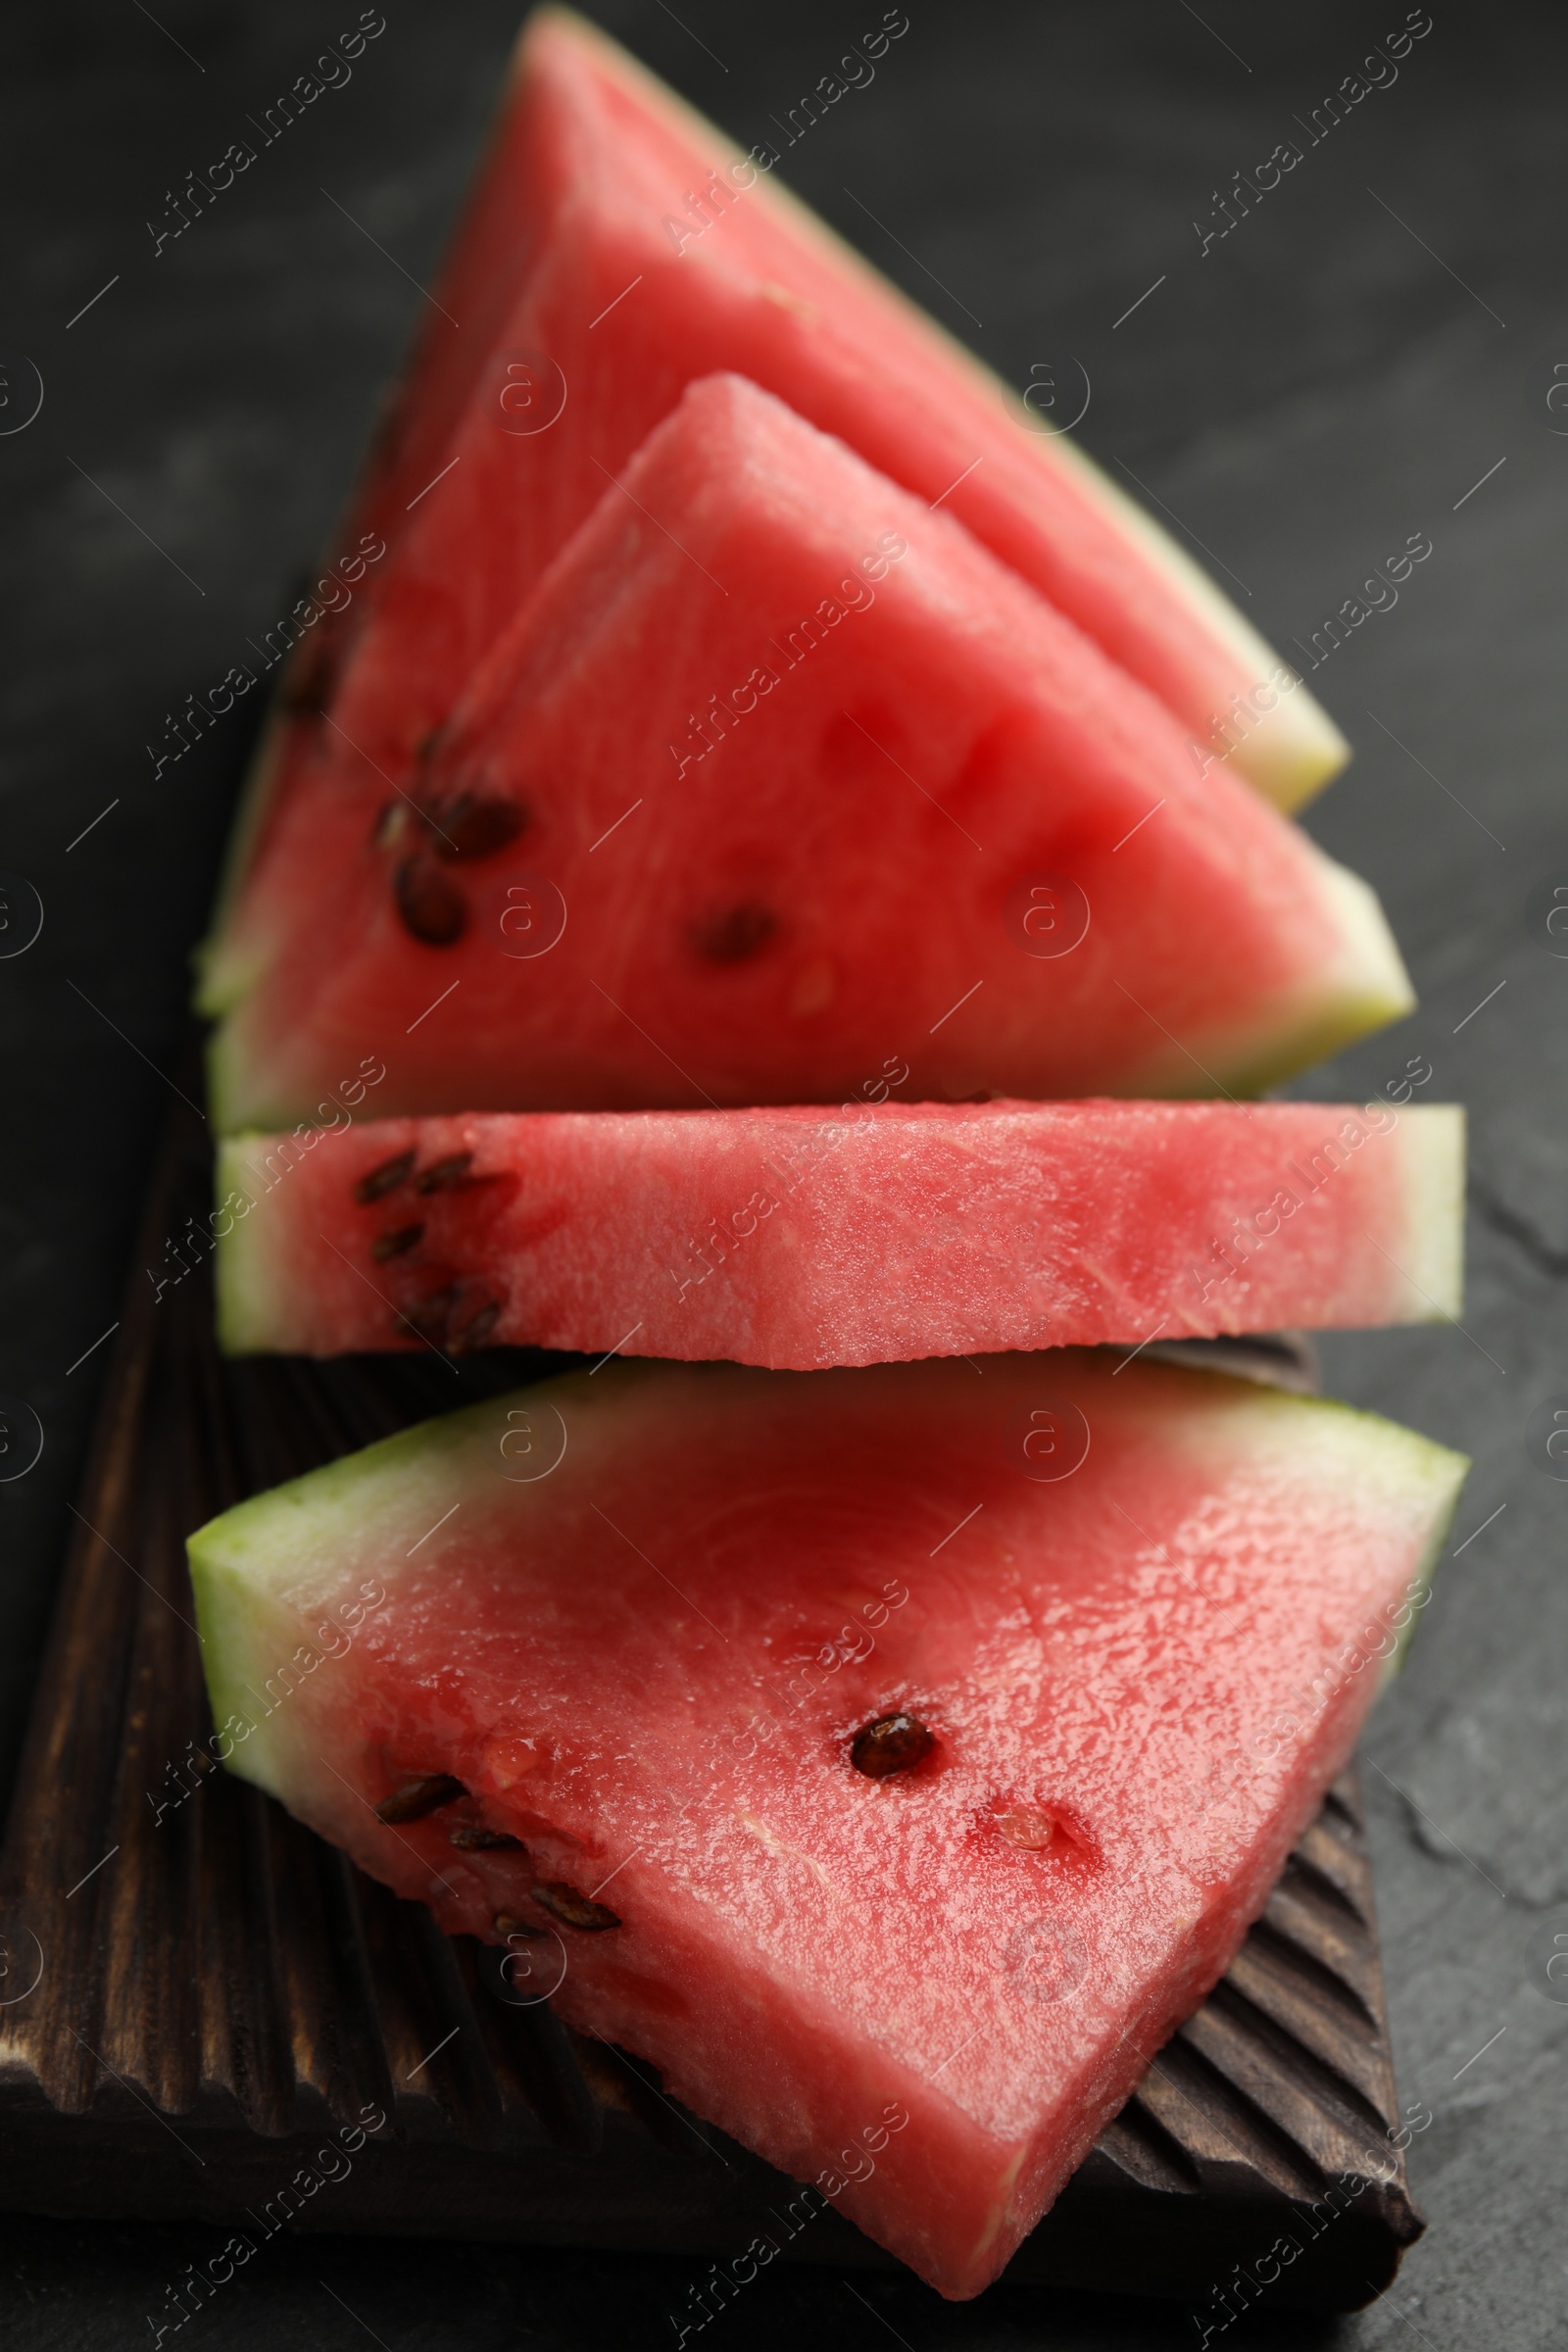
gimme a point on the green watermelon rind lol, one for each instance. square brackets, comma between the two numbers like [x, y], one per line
[240, 1271]
[1420, 1590]
[245, 1562]
[245, 1624]
[1433, 1260]
[1361, 988]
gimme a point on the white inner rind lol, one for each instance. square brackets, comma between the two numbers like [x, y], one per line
[1359, 986]
[1431, 1261]
[246, 1274]
[259, 1571]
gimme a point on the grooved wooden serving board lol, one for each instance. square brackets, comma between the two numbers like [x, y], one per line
[196, 1989]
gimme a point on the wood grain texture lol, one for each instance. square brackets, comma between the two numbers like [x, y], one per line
[216, 1989]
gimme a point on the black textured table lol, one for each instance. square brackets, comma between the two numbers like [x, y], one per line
[1367, 353]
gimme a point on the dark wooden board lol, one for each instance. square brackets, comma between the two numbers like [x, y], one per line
[196, 1991]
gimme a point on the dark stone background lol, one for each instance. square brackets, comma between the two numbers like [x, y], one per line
[1319, 385]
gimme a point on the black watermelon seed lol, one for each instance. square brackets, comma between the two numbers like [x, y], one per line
[475, 825]
[475, 1332]
[415, 1798]
[507, 1922]
[735, 935]
[431, 1318]
[892, 1743]
[574, 1910]
[432, 909]
[393, 1245]
[385, 1178]
[471, 1838]
[444, 1175]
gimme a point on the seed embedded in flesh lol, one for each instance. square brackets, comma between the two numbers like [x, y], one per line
[431, 1318]
[475, 825]
[892, 1743]
[433, 910]
[445, 1175]
[415, 1798]
[393, 1245]
[574, 1909]
[507, 1922]
[385, 1178]
[736, 934]
[476, 1331]
[473, 1838]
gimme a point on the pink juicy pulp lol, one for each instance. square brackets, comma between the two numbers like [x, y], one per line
[478, 284]
[944, 739]
[571, 214]
[651, 1667]
[797, 1237]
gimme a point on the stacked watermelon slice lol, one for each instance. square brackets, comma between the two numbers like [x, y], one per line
[719, 893]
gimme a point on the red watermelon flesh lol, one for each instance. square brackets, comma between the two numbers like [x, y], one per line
[795, 1238]
[511, 201]
[755, 795]
[653, 1623]
[625, 299]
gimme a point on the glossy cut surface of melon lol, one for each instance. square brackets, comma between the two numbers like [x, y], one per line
[780, 775]
[892, 1758]
[616, 248]
[875, 1232]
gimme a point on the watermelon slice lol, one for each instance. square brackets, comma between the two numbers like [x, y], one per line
[781, 774]
[880, 1232]
[618, 248]
[896, 1756]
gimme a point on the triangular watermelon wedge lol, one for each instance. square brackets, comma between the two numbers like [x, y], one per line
[644, 251]
[778, 775]
[895, 1756]
[877, 1233]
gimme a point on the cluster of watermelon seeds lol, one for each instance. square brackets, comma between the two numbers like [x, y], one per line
[432, 1792]
[890, 1743]
[461, 829]
[471, 824]
[451, 1311]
